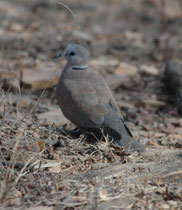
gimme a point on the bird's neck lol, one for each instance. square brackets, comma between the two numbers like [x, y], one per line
[70, 68]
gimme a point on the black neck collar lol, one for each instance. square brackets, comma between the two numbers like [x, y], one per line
[79, 67]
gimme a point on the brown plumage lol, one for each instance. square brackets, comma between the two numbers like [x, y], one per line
[86, 100]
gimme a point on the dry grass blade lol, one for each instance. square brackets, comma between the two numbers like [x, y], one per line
[13, 160]
[9, 172]
[72, 13]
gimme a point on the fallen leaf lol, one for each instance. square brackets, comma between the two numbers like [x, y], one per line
[36, 147]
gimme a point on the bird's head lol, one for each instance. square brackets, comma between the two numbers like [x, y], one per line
[76, 56]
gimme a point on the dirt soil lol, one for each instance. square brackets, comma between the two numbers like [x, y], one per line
[42, 165]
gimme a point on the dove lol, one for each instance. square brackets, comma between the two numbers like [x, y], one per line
[173, 81]
[86, 100]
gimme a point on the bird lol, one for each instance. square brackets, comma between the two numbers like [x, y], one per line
[173, 82]
[86, 100]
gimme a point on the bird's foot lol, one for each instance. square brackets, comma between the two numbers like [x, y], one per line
[76, 132]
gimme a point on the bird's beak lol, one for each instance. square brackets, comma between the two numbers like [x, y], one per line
[58, 56]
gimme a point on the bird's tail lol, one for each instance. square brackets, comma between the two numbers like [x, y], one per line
[116, 127]
[129, 144]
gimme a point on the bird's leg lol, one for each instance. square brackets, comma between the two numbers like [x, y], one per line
[76, 132]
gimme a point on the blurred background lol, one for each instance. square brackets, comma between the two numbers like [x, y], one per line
[129, 42]
[32, 32]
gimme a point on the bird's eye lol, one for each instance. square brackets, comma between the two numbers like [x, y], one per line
[72, 53]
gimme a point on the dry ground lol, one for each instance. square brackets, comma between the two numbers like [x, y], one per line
[44, 167]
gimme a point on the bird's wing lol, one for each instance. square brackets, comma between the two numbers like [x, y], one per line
[91, 97]
[108, 101]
